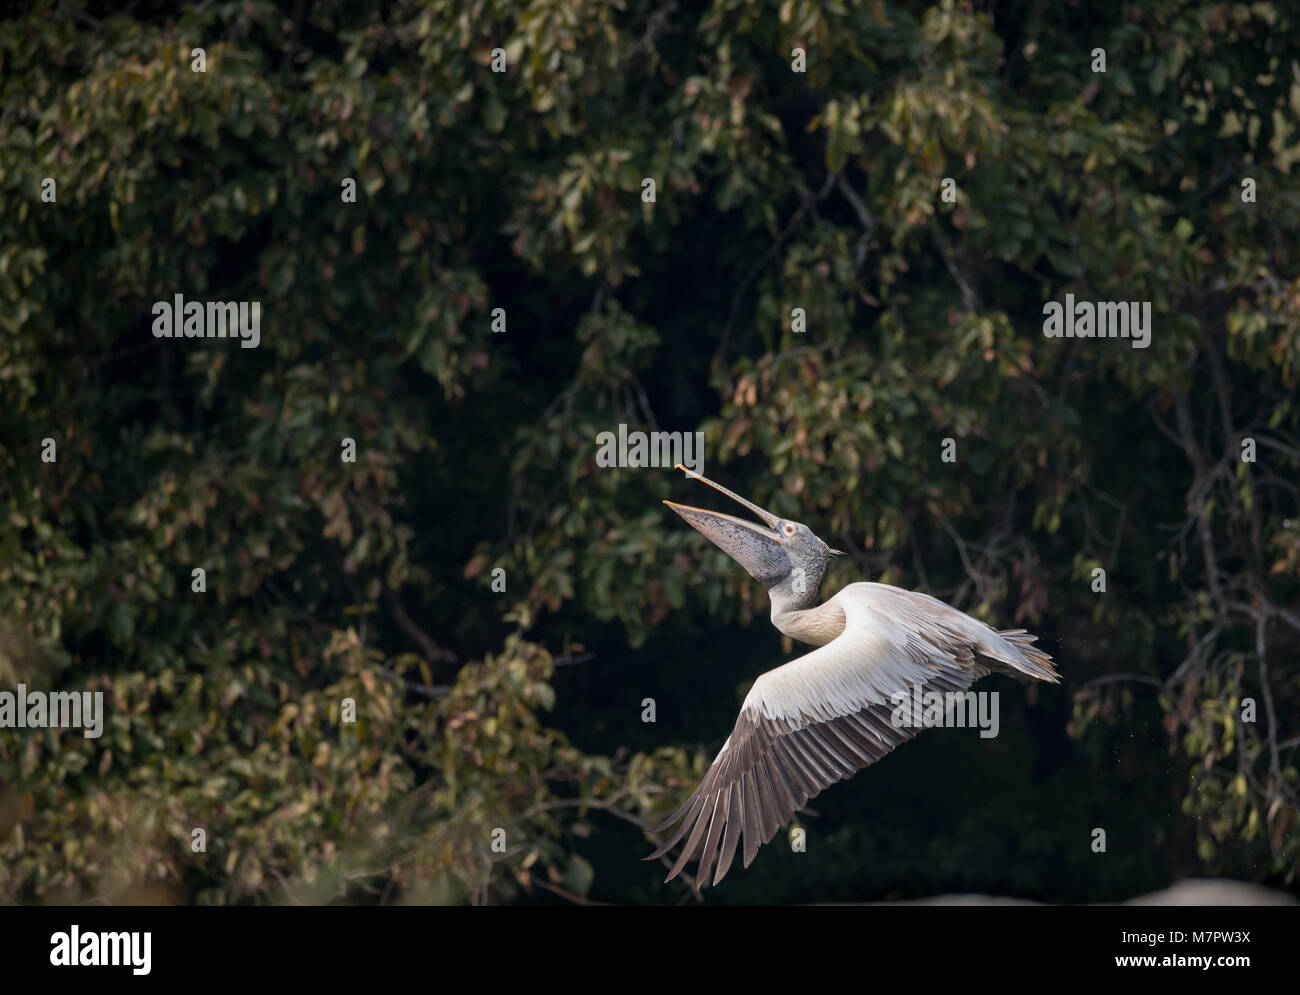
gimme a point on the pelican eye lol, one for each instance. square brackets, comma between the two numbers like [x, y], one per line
[788, 528]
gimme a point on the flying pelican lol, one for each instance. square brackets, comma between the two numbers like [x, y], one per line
[825, 715]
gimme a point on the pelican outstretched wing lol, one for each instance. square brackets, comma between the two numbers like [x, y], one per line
[825, 715]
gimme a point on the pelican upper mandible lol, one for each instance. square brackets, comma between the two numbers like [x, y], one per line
[827, 714]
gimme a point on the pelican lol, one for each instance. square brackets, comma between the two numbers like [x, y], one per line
[827, 714]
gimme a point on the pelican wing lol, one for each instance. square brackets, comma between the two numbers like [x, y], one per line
[825, 715]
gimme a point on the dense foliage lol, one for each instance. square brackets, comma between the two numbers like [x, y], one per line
[480, 709]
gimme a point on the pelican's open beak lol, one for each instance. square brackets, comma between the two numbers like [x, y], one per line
[755, 548]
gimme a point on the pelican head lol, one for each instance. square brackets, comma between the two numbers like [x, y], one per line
[786, 557]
